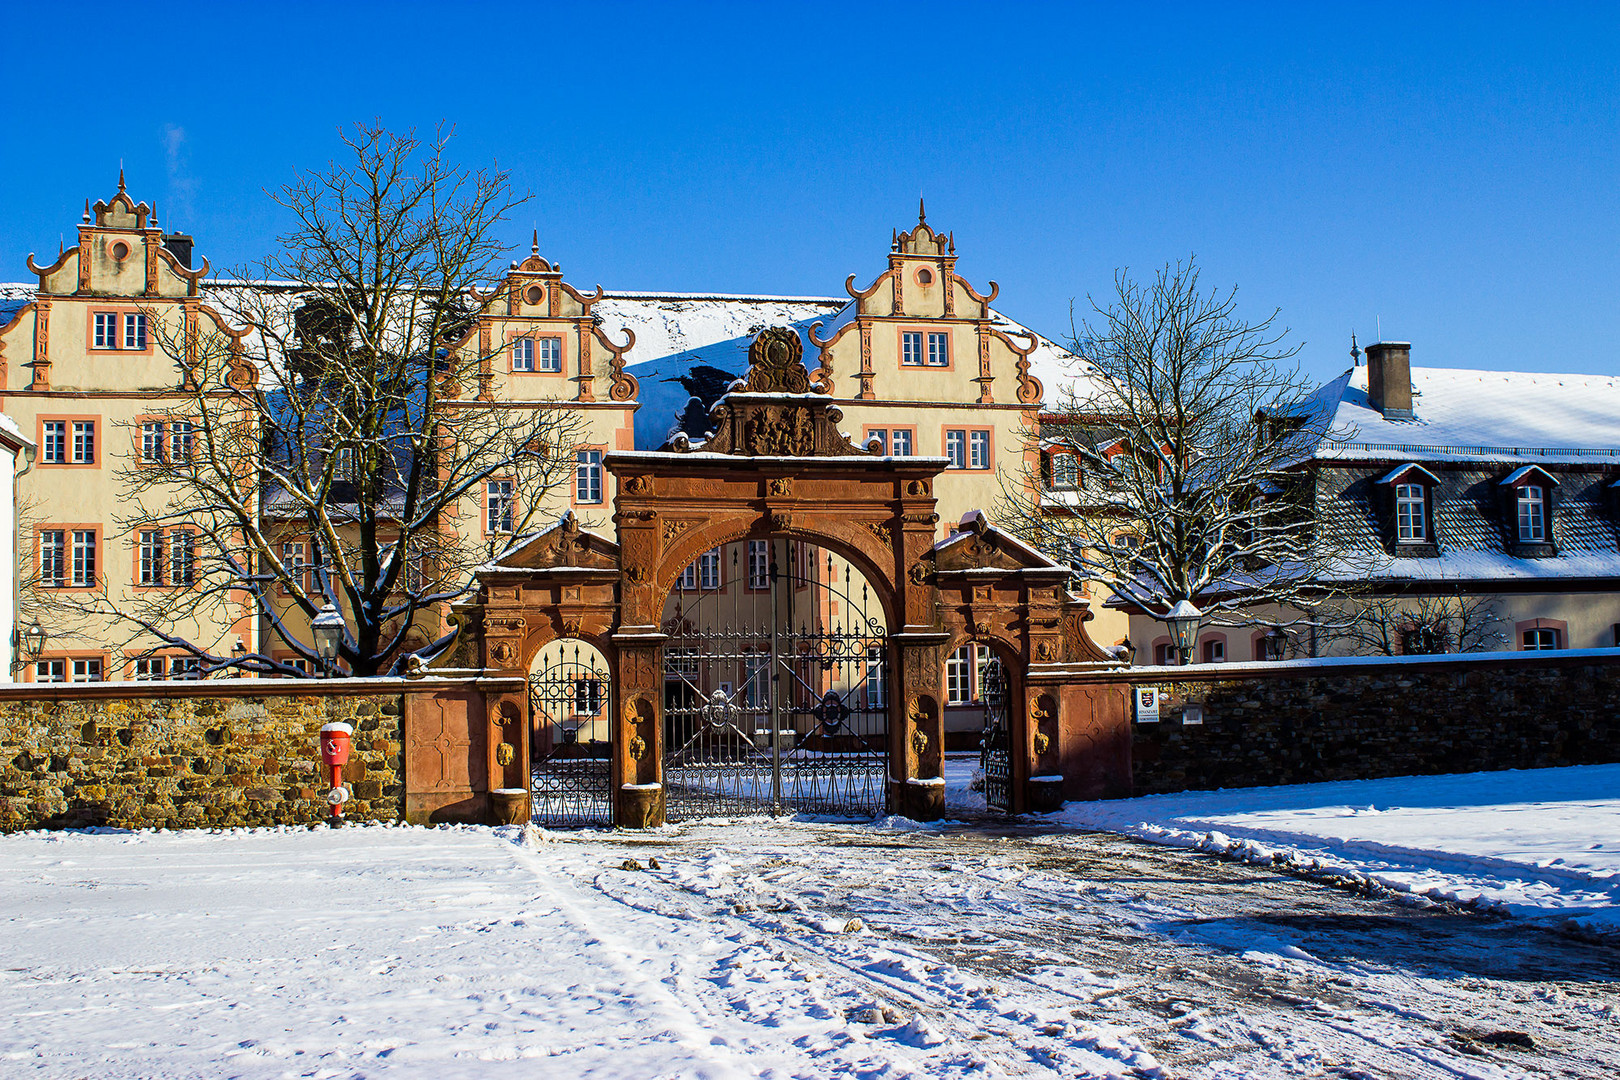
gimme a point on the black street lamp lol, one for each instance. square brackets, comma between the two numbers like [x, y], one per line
[1183, 619]
[328, 628]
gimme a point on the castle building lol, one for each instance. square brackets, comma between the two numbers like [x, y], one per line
[918, 361]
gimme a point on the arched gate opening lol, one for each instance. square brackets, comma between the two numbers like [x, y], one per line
[776, 685]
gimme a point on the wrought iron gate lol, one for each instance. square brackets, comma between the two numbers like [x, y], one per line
[997, 754]
[570, 696]
[776, 687]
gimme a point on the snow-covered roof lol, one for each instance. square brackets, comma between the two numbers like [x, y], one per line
[1468, 415]
[679, 332]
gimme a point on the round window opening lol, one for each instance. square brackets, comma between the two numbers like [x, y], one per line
[534, 294]
[120, 250]
[925, 276]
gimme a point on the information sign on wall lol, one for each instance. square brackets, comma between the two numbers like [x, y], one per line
[1147, 704]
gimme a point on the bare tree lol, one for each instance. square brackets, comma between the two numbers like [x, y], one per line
[328, 441]
[1169, 461]
[1404, 625]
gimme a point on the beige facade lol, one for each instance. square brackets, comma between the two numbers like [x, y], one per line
[917, 359]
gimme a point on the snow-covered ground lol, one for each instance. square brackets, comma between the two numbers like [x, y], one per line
[779, 949]
[1540, 843]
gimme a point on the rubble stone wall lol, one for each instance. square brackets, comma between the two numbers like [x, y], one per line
[177, 755]
[1293, 724]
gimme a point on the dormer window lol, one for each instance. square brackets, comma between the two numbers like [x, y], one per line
[1532, 514]
[1065, 471]
[1528, 497]
[1410, 506]
[1411, 514]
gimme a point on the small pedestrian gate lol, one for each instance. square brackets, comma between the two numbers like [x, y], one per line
[996, 759]
[776, 687]
[570, 697]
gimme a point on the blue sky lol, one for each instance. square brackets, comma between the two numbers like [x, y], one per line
[1447, 171]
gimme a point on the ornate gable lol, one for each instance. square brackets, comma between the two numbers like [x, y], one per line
[774, 411]
[533, 301]
[921, 293]
[122, 252]
[565, 544]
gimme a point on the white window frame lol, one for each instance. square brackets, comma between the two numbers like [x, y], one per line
[182, 440]
[87, 669]
[83, 544]
[756, 680]
[523, 354]
[83, 445]
[53, 442]
[135, 331]
[939, 350]
[956, 447]
[759, 565]
[900, 442]
[881, 434]
[498, 515]
[153, 442]
[709, 570]
[1065, 471]
[876, 692]
[1411, 514]
[588, 477]
[182, 557]
[1540, 638]
[149, 559]
[1215, 651]
[50, 671]
[150, 668]
[911, 348]
[978, 449]
[53, 551]
[959, 671]
[550, 355]
[1532, 504]
[105, 330]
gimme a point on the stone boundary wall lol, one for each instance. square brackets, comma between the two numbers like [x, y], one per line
[194, 754]
[1357, 718]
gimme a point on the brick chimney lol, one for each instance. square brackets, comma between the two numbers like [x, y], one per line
[1389, 379]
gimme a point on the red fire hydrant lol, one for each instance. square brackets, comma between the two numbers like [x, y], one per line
[335, 742]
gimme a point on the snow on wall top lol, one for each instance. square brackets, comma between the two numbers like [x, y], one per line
[1469, 415]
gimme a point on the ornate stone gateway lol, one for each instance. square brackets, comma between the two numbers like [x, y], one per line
[824, 690]
[776, 700]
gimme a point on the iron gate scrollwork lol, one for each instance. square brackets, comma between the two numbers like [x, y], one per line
[996, 760]
[570, 697]
[776, 687]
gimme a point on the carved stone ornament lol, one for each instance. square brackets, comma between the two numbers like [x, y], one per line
[638, 485]
[920, 519]
[919, 573]
[636, 748]
[503, 652]
[673, 527]
[782, 486]
[780, 432]
[504, 754]
[571, 628]
[917, 487]
[642, 515]
[882, 531]
[1045, 652]
[776, 363]
[919, 742]
[638, 575]
[1042, 744]
[781, 522]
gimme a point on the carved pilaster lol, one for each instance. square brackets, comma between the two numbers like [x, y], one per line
[42, 346]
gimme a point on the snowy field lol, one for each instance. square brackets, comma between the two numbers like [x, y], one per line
[1540, 843]
[776, 949]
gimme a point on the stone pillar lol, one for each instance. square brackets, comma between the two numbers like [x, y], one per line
[917, 729]
[638, 732]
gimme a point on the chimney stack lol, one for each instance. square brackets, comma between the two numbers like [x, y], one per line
[1389, 379]
[179, 245]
